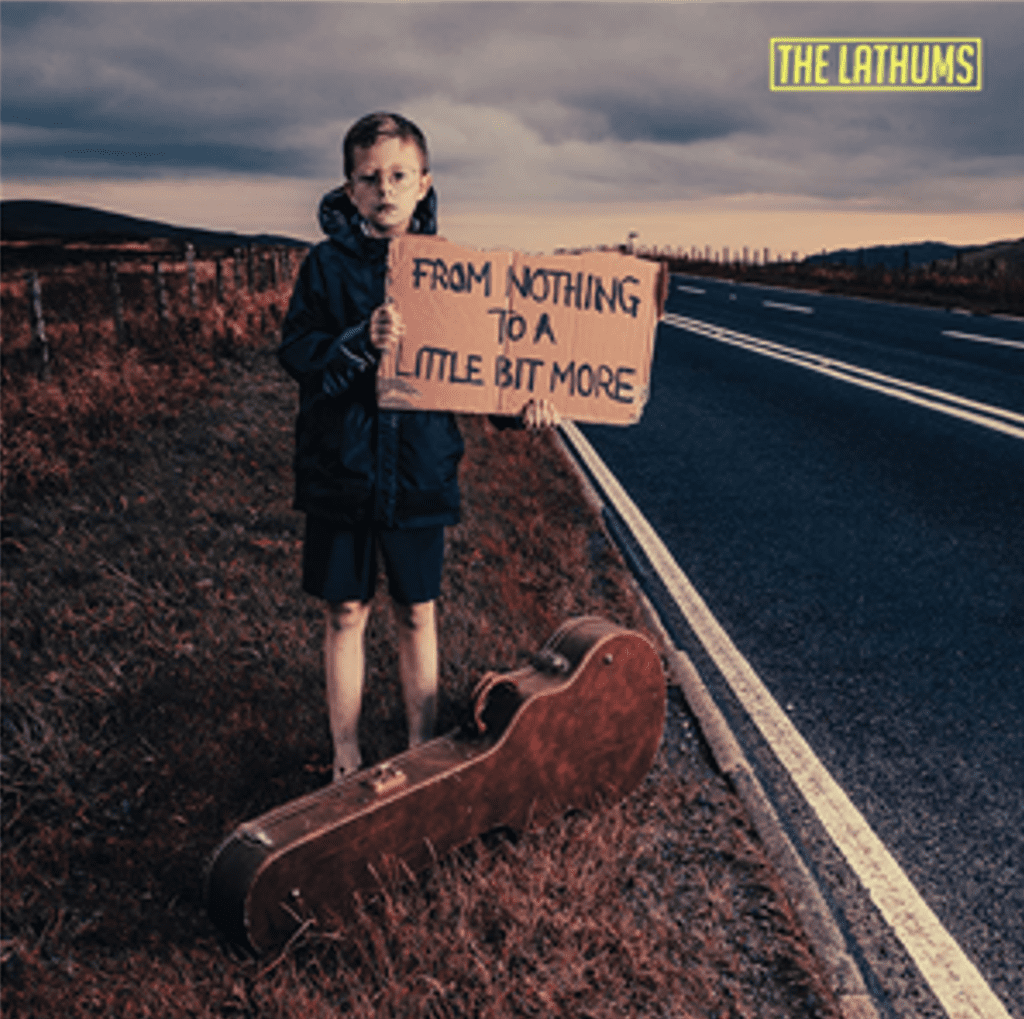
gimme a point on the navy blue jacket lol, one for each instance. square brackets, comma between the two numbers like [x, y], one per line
[355, 463]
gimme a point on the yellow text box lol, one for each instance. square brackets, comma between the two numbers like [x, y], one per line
[876, 64]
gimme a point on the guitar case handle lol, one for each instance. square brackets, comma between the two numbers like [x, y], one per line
[496, 696]
[495, 700]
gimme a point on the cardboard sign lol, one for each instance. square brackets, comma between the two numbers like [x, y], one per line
[486, 331]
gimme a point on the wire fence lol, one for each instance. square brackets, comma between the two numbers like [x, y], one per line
[95, 348]
[56, 313]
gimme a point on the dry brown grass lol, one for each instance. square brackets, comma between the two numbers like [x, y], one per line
[162, 682]
[96, 387]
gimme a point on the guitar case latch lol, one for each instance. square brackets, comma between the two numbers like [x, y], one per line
[547, 660]
[384, 778]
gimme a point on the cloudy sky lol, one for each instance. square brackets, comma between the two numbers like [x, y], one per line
[549, 123]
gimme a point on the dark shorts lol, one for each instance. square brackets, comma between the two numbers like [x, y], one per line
[342, 565]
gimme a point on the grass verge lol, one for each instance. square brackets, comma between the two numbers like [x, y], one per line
[162, 682]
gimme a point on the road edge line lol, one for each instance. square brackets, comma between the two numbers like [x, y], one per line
[954, 979]
[802, 890]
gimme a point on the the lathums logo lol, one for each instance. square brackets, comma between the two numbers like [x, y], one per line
[934, 64]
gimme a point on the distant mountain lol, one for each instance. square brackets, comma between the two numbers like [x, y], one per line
[26, 220]
[892, 256]
[999, 255]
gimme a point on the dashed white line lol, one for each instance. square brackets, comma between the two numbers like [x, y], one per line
[690, 290]
[978, 338]
[802, 308]
[995, 418]
[952, 976]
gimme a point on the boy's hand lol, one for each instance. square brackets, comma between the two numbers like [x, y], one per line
[540, 414]
[386, 328]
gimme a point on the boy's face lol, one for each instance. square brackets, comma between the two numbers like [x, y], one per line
[386, 184]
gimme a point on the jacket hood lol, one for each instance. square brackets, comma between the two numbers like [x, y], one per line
[340, 219]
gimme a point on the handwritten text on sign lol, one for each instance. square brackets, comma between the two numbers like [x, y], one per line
[488, 331]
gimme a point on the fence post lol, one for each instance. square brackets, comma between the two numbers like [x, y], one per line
[236, 254]
[218, 275]
[161, 294]
[115, 300]
[190, 257]
[273, 267]
[39, 325]
[250, 269]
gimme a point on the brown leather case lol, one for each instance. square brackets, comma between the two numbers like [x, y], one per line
[577, 728]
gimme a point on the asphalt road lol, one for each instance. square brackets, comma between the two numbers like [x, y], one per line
[866, 555]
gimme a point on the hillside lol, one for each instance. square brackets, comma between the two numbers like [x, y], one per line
[1008, 253]
[36, 221]
[892, 256]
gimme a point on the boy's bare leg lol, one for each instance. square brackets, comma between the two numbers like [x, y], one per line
[344, 666]
[417, 667]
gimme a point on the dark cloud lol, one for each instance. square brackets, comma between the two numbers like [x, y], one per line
[544, 100]
[144, 158]
[679, 122]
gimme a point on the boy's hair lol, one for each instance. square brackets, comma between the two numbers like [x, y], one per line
[365, 132]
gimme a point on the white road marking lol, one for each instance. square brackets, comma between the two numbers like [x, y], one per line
[1019, 344]
[690, 290]
[802, 308]
[995, 418]
[953, 978]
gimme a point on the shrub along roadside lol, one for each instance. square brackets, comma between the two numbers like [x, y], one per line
[120, 347]
[162, 682]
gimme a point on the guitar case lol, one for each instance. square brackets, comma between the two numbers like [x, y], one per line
[579, 727]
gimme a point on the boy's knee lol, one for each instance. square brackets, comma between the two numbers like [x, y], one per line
[347, 615]
[419, 616]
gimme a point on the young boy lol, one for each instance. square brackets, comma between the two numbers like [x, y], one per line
[364, 476]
